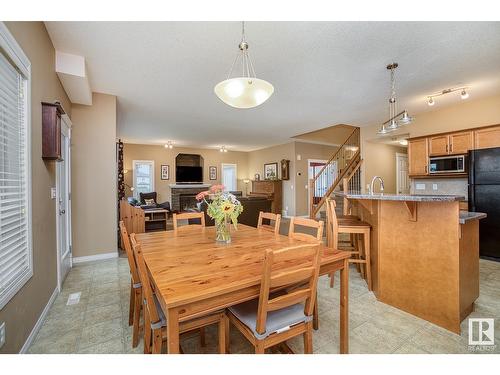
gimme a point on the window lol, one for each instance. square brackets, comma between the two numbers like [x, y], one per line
[16, 263]
[229, 177]
[144, 176]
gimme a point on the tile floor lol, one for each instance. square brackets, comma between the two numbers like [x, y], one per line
[99, 323]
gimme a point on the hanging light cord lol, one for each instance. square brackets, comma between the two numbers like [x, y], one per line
[247, 65]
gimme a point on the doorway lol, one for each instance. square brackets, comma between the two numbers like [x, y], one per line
[229, 176]
[402, 179]
[324, 181]
[63, 204]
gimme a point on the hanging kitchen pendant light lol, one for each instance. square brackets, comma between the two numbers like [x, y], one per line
[396, 120]
[246, 91]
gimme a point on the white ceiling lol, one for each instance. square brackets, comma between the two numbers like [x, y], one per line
[324, 73]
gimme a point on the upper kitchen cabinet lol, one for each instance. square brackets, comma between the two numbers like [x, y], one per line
[487, 137]
[418, 154]
[460, 143]
[450, 144]
[438, 145]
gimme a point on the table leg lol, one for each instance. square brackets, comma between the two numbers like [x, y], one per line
[173, 331]
[344, 308]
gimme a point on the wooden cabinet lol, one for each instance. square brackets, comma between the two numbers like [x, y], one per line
[450, 144]
[418, 155]
[438, 145]
[460, 143]
[51, 131]
[487, 137]
[271, 189]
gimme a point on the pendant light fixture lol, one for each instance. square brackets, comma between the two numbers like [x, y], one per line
[246, 91]
[396, 119]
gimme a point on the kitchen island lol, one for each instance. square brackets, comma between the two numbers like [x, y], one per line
[424, 254]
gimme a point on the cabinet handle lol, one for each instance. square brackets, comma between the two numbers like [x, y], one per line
[426, 169]
[451, 147]
[447, 148]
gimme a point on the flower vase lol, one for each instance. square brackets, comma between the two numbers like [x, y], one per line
[222, 230]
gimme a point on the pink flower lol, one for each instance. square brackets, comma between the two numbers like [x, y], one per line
[202, 195]
[216, 188]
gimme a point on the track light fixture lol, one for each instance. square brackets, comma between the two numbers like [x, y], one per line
[463, 94]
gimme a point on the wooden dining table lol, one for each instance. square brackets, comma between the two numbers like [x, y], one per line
[193, 275]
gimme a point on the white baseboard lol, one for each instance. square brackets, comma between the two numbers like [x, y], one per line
[39, 322]
[91, 258]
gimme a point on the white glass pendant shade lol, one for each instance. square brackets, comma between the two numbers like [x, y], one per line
[244, 92]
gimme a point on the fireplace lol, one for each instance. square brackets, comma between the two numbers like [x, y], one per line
[187, 202]
[183, 196]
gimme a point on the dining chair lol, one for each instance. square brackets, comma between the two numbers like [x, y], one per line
[155, 322]
[187, 216]
[271, 217]
[134, 314]
[274, 318]
[353, 226]
[307, 223]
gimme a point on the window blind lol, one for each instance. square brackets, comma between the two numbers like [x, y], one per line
[15, 252]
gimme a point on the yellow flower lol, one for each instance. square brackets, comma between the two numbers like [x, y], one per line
[227, 208]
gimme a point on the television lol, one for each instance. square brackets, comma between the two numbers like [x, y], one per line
[186, 175]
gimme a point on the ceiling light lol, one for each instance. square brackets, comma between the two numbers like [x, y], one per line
[246, 91]
[169, 145]
[463, 94]
[395, 119]
[403, 142]
[223, 149]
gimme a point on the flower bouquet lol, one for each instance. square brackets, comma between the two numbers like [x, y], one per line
[224, 208]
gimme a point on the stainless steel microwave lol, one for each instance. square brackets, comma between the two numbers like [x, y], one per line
[447, 164]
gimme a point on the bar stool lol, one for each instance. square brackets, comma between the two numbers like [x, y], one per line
[355, 227]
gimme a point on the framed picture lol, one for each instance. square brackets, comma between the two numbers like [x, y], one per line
[212, 172]
[285, 169]
[271, 171]
[165, 172]
[257, 177]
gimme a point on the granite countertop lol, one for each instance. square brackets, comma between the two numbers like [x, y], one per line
[401, 197]
[466, 216]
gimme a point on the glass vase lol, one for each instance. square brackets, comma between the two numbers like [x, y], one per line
[222, 231]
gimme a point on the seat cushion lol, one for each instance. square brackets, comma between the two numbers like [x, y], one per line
[279, 320]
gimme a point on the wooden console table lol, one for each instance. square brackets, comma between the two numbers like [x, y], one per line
[155, 219]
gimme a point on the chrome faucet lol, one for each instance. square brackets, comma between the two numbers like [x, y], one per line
[373, 183]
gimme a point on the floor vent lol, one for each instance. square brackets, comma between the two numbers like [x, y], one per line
[74, 298]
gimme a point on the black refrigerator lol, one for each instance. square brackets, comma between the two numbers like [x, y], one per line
[484, 196]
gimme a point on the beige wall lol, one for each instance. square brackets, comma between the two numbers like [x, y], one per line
[24, 309]
[257, 159]
[380, 160]
[307, 151]
[93, 181]
[162, 156]
[462, 115]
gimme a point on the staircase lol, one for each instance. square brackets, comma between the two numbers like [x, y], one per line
[341, 172]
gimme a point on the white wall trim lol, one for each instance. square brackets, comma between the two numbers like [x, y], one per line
[91, 258]
[39, 322]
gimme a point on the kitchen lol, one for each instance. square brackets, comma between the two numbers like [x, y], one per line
[446, 219]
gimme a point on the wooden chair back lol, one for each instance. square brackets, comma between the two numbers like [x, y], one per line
[271, 217]
[309, 223]
[132, 217]
[332, 223]
[187, 216]
[130, 254]
[296, 265]
[147, 290]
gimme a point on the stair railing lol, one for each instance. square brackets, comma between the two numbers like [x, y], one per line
[328, 178]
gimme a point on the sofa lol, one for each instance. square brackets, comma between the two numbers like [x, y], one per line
[250, 215]
[142, 201]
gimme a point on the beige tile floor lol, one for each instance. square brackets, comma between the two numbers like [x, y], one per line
[99, 323]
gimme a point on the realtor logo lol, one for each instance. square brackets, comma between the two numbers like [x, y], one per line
[481, 331]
